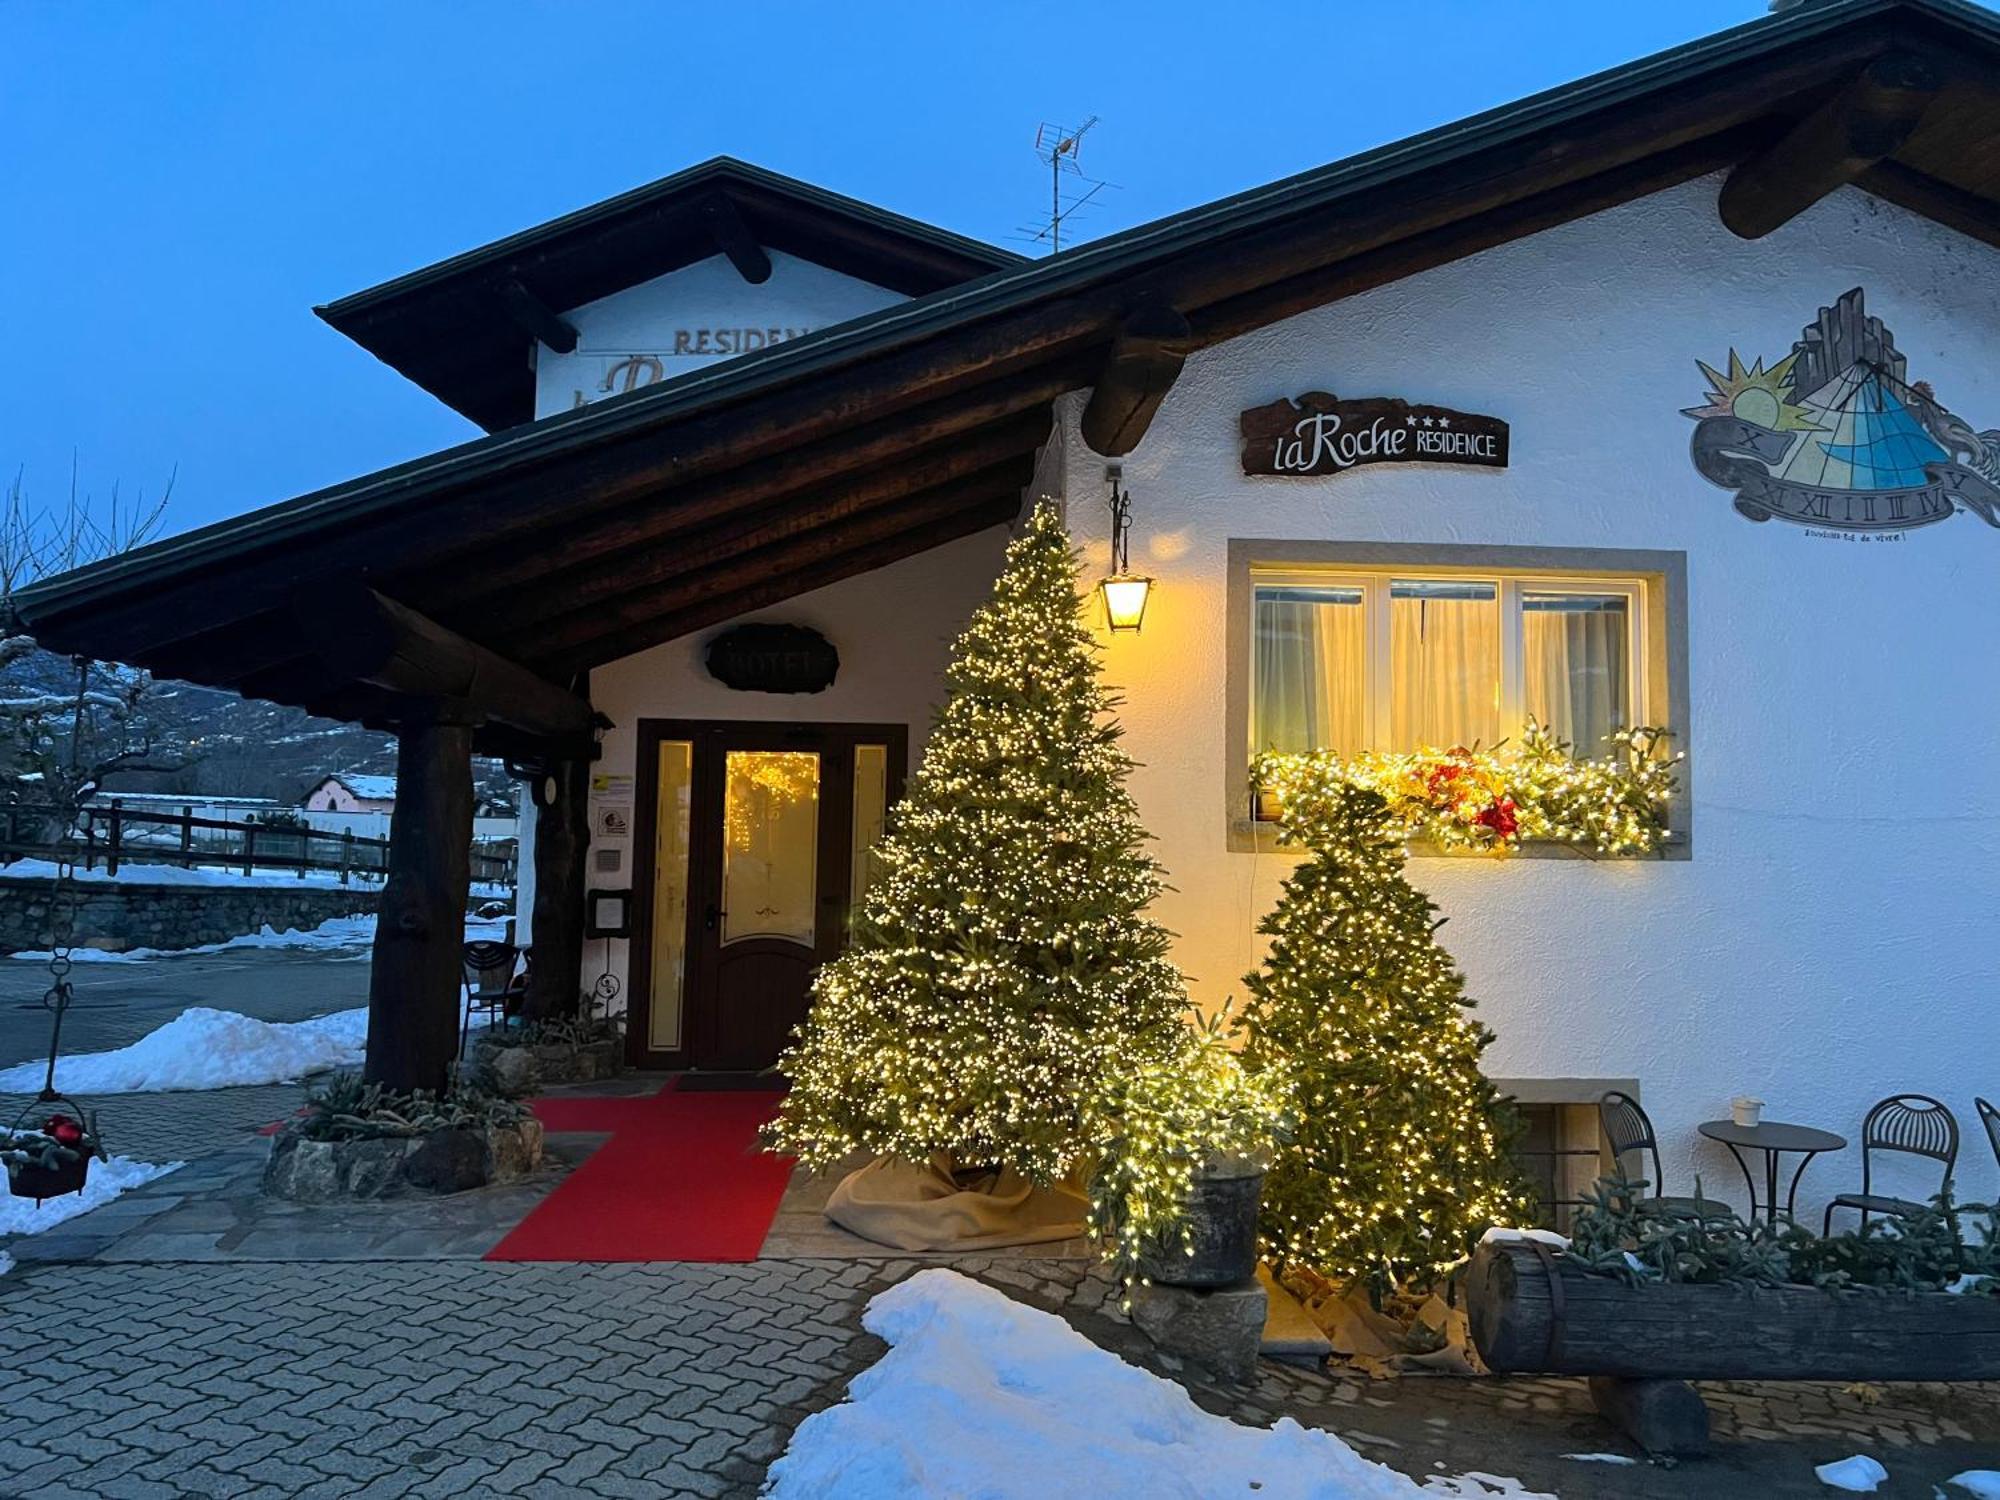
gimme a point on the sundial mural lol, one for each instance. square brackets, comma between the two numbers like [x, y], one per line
[1834, 436]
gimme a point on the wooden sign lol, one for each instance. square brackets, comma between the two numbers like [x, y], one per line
[773, 659]
[1322, 434]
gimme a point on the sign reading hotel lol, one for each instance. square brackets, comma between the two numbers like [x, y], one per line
[1835, 437]
[1322, 434]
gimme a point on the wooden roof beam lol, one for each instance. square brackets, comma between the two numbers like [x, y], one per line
[360, 636]
[649, 565]
[1865, 122]
[1145, 361]
[761, 593]
[778, 552]
[536, 318]
[734, 239]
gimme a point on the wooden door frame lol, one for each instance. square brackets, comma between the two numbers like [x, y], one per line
[711, 738]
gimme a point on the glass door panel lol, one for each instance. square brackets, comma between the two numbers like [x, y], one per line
[770, 845]
[871, 813]
[670, 892]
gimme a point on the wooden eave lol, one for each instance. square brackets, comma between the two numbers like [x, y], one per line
[454, 329]
[582, 538]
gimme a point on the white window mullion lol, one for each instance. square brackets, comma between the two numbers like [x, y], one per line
[1513, 686]
[1381, 669]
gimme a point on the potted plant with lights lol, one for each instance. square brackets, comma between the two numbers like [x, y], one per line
[53, 1158]
[1175, 1196]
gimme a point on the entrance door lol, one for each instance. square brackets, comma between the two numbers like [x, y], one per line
[758, 837]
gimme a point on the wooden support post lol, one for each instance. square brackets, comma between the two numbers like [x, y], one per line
[537, 319]
[346, 853]
[187, 838]
[734, 239]
[413, 983]
[562, 845]
[249, 848]
[1866, 121]
[114, 835]
[1145, 361]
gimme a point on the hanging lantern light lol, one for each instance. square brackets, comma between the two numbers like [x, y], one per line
[1124, 591]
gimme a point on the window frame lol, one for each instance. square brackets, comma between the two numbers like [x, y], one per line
[1654, 582]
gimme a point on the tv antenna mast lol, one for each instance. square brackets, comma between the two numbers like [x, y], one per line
[1069, 189]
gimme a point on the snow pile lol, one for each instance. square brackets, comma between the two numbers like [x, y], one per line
[1859, 1474]
[6, 1262]
[139, 874]
[106, 1181]
[1497, 1236]
[979, 1395]
[207, 1049]
[1983, 1483]
[1600, 1458]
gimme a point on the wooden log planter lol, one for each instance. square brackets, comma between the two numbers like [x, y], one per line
[1534, 1312]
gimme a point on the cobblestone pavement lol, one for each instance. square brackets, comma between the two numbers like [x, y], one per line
[434, 1378]
[182, 1126]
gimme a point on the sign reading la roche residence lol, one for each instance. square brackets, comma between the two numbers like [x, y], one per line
[1834, 437]
[1322, 434]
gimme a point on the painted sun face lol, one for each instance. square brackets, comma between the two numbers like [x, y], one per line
[1756, 395]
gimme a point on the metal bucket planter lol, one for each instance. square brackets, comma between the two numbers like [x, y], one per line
[1222, 1227]
[44, 1182]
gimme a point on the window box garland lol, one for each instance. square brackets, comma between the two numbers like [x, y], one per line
[1493, 801]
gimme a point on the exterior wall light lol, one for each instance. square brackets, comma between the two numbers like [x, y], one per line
[1124, 591]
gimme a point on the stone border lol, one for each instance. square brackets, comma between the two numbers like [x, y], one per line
[454, 1159]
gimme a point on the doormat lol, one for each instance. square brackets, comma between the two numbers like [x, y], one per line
[732, 1083]
[681, 1179]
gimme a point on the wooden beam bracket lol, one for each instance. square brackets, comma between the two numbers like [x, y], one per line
[1145, 360]
[360, 636]
[734, 239]
[536, 318]
[1865, 122]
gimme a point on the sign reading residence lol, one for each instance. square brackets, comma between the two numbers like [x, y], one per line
[1321, 434]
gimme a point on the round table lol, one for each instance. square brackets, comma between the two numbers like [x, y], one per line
[1774, 1139]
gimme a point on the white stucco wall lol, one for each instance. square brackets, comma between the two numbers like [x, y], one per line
[893, 629]
[1831, 940]
[693, 317]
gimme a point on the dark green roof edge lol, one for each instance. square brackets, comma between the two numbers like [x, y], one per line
[906, 322]
[718, 171]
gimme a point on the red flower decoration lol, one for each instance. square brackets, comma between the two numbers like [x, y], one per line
[1500, 818]
[63, 1130]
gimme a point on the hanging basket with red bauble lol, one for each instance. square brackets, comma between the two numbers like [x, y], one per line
[52, 1157]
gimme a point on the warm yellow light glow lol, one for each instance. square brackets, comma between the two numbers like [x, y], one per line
[1125, 600]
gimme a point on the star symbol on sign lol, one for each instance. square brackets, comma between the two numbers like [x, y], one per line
[1411, 420]
[1444, 421]
[1427, 421]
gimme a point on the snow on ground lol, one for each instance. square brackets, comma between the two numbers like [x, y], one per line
[106, 1181]
[144, 874]
[342, 934]
[981, 1395]
[1859, 1474]
[206, 1049]
[1984, 1484]
[6, 1262]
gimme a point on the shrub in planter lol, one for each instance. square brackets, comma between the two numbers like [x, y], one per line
[53, 1159]
[360, 1140]
[516, 1061]
[1181, 1166]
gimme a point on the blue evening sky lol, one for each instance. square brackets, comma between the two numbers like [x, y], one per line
[180, 183]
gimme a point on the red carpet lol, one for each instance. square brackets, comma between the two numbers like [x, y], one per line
[680, 1179]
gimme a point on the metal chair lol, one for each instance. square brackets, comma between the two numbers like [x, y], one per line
[1913, 1125]
[1627, 1128]
[1990, 1118]
[491, 985]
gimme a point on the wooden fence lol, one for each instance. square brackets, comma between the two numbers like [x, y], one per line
[117, 835]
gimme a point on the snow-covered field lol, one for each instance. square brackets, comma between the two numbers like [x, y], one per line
[979, 1395]
[350, 936]
[222, 875]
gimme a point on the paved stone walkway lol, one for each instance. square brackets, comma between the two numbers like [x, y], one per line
[437, 1378]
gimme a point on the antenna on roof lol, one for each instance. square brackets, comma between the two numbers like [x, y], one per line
[1070, 190]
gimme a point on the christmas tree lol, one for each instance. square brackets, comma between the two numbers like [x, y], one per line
[1002, 965]
[1396, 1160]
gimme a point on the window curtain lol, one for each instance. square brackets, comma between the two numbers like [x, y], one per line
[1444, 648]
[1574, 657]
[1308, 690]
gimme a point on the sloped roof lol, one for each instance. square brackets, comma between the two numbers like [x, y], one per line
[586, 536]
[449, 326]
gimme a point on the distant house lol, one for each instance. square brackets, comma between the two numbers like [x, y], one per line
[349, 793]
